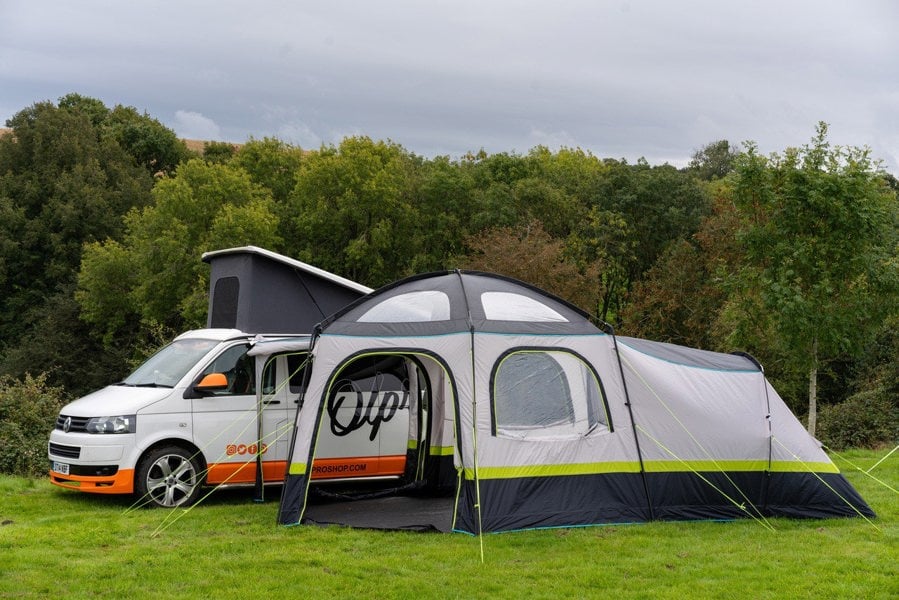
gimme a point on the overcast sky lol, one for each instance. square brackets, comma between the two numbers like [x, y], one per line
[622, 79]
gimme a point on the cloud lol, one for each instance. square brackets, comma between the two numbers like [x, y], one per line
[622, 79]
[194, 126]
[299, 134]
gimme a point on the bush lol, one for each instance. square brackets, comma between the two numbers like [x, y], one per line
[28, 410]
[866, 419]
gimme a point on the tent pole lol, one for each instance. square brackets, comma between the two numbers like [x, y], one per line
[259, 486]
[474, 415]
[630, 412]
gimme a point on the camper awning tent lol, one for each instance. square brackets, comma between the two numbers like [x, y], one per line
[533, 417]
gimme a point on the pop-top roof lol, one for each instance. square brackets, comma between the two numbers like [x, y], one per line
[259, 291]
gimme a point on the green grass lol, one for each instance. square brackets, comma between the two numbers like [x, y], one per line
[57, 543]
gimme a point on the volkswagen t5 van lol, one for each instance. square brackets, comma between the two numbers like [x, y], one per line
[204, 408]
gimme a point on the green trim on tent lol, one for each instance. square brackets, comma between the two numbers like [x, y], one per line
[297, 469]
[654, 466]
[729, 466]
[441, 450]
[554, 470]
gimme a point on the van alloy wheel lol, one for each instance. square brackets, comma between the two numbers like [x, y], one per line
[168, 477]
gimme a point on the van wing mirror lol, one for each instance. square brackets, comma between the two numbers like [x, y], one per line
[212, 382]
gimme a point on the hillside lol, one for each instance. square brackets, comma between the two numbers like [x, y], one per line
[192, 145]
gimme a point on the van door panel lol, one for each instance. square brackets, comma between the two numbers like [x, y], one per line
[225, 425]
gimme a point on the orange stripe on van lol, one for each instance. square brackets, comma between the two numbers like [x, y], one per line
[323, 468]
[226, 473]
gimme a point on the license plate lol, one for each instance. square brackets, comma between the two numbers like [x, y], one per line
[61, 467]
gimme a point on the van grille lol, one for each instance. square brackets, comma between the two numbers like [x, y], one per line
[78, 424]
[65, 451]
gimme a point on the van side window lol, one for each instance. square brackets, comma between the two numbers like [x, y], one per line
[238, 368]
[296, 368]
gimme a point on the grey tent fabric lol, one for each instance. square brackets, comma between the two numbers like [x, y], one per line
[535, 417]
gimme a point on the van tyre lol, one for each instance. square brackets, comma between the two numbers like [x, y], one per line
[168, 477]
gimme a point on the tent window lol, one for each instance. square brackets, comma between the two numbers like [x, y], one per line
[539, 394]
[414, 307]
[506, 306]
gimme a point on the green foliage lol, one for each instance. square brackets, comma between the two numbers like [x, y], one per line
[870, 416]
[64, 181]
[354, 211]
[28, 410]
[272, 164]
[528, 253]
[153, 145]
[681, 298]
[155, 275]
[867, 419]
[820, 237]
[218, 152]
[714, 161]
[58, 345]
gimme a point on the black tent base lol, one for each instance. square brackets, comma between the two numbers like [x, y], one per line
[397, 513]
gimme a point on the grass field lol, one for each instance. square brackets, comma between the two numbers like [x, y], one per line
[60, 544]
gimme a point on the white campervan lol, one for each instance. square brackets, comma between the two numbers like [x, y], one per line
[213, 407]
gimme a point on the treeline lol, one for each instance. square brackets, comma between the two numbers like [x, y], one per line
[792, 257]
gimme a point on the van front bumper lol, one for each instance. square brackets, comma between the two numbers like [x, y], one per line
[122, 482]
[88, 467]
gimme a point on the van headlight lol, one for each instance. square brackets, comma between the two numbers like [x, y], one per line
[118, 424]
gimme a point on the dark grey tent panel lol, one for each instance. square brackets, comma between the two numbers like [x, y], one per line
[681, 355]
[259, 291]
[455, 301]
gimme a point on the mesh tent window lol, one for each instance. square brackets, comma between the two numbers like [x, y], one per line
[540, 394]
[414, 307]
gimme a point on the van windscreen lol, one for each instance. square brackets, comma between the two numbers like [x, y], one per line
[170, 364]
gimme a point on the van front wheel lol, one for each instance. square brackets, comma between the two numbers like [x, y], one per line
[168, 477]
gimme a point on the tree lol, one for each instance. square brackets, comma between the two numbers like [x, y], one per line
[155, 275]
[218, 152]
[62, 183]
[528, 253]
[271, 163]
[820, 231]
[153, 145]
[680, 297]
[714, 161]
[634, 213]
[355, 210]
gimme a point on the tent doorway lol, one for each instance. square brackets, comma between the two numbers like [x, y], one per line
[402, 401]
